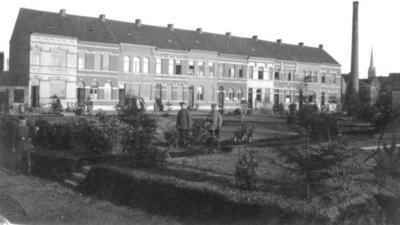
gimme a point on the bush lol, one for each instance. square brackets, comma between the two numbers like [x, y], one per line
[172, 137]
[245, 171]
[55, 103]
[243, 135]
[40, 133]
[8, 128]
[139, 134]
[200, 140]
[59, 136]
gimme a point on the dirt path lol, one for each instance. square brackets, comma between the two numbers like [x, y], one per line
[30, 200]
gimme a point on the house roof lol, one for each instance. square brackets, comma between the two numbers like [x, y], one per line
[7, 79]
[112, 31]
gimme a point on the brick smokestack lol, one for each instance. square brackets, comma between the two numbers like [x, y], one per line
[354, 50]
[1, 61]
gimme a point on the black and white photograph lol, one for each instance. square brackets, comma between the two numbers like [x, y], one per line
[207, 112]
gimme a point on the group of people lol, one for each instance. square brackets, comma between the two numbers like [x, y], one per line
[184, 123]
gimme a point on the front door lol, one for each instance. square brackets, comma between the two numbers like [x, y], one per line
[35, 96]
[191, 97]
[250, 98]
[81, 96]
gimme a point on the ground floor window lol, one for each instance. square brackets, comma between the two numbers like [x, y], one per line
[239, 94]
[258, 94]
[200, 93]
[19, 95]
[107, 91]
[230, 94]
[58, 87]
[332, 98]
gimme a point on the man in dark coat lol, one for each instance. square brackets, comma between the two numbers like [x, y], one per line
[23, 146]
[183, 124]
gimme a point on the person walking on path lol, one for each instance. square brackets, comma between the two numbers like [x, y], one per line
[183, 124]
[22, 146]
[214, 119]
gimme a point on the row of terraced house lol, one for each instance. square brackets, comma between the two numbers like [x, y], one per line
[76, 57]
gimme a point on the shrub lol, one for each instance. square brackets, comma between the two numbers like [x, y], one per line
[171, 136]
[55, 103]
[8, 127]
[40, 133]
[237, 112]
[200, 139]
[243, 135]
[245, 171]
[139, 135]
[59, 136]
[78, 111]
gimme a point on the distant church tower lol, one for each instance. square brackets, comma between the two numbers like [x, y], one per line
[371, 69]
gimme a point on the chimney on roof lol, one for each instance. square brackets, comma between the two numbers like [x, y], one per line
[102, 17]
[301, 44]
[321, 46]
[279, 41]
[228, 34]
[199, 30]
[255, 37]
[1, 61]
[63, 12]
[171, 26]
[138, 22]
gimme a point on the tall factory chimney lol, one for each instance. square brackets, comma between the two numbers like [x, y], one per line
[354, 50]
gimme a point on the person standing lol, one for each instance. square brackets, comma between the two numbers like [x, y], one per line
[214, 119]
[22, 146]
[183, 124]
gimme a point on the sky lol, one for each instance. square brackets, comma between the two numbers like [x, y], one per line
[313, 22]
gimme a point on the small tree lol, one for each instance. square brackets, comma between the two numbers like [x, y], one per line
[314, 163]
[139, 134]
[245, 171]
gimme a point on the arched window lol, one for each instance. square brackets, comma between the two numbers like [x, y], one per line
[230, 94]
[94, 90]
[136, 65]
[200, 93]
[146, 65]
[239, 94]
[126, 64]
[107, 91]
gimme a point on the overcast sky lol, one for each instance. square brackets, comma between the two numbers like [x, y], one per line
[313, 22]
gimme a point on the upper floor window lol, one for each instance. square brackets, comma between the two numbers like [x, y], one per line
[231, 72]
[107, 91]
[334, 78]
[81, 60]
[191, 67]
[105, 62]
[126, 63]
[261, 73]
[145, 65]
[136, 65]
[255, 72]
[59, 58]
[210, 69]
[170, 66]
[35, 57]
[200, 93]
[221, 69]
[276, 75]
[240, 72]
[323, 75]
[201, 68]
[158, 66]
[178, 67]
[270, 72]
[289, 76]
[315, 77]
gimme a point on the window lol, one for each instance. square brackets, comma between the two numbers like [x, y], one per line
[315, 77]
[323, 75]
[136, 65]
[107, 91]
[221, 69]
[255, 72]
[241, 72]
[146, 65]
[158, 66]
[251, 67]
[59, 58]
[261, 73]
[211, 69]
[191, 68]
[200, 93]
[35, 57]
[231, 72]
[276, 75]
[114, 63]
[212, 93]
[309, 76]
[289, 76]
[19, 95]
[230, 94]
[322, 98]
[126, 64]
[332, 98]
[258, 94]
[94, 90]
[174, 93]
[239, 94]
[170, 66]
[58, 87]
[106, 62]
[334, 78]
[178, 67]
[270, 72]
[201, 68]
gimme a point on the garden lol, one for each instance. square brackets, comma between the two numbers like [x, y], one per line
[321, 177]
